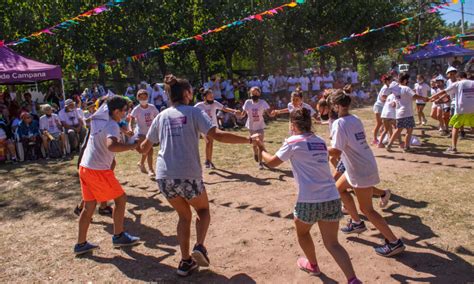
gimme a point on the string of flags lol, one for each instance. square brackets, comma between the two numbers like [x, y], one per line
[410, 48]
[200, 37]
[369, 30]
[67, 23]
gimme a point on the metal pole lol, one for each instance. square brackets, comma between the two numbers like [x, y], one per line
[62, 86]
[462, 16]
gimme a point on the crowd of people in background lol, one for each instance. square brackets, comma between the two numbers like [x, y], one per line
[57, 127]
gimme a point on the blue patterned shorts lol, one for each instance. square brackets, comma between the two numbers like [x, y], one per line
[187, 189]
[310, 213]
[406, 122]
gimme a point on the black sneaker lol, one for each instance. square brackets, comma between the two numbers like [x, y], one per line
[106, 211]
[353, 228]
[186, 267]
[390, 249]
[200, 255]
[462, 135]
[77, 211]
[255, 157]
[207, 164]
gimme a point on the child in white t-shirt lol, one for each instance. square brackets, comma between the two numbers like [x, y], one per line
[388, 117]
[422, 89]
[349, 142]
[318, 199]
[210, 107]
[143, 114]
[255, 108]
[296, 103]
[404, 113]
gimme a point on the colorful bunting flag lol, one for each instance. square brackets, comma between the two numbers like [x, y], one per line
[68, 23]
[369, 30]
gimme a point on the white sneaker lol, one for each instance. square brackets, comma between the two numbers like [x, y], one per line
[384, 200]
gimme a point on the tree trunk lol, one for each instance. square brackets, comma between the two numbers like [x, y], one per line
[370, 65]
[260, 54]
[201, 57]
[299, 58]
[228, 55]
[337, 57]
[322, 61]
[102, 78]
[162, 64]
[354, 59]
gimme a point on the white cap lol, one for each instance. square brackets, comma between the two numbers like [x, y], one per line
[440, 78]
[451, 69]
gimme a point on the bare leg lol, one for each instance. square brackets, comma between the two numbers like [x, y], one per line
[119, 213]
[184, 224]
[408, 138]
[85, 220]
[364, 196]
[378, 124]
[455, 136]
[306, 241]
[209, 148]
[329, 232]
[201, 205]
[346, 198]
[149, 159]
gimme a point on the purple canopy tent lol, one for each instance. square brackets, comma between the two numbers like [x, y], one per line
[16, 69]
[433, 51]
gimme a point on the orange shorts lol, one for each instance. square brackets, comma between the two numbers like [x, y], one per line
[99, 185]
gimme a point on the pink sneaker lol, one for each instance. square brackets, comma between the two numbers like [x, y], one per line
[354, 280]
[304, 265]
[375, 142]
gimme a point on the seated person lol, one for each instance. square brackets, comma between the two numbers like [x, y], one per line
[30, 136]
[51, 129]
[72, 119]
[6, 139]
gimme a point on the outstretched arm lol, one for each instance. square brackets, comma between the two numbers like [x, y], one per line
[270, 160]
[226, 137]
[115, 146]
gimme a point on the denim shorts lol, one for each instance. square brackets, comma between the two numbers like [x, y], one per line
[310, 213]
[185, 188]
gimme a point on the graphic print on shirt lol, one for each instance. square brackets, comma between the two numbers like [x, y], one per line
[176, 125]
[255, 115]
[148, 119]
[321, 157]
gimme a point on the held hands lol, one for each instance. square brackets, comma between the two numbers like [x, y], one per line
[256, 141]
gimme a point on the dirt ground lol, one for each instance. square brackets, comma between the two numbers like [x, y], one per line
[252, 236]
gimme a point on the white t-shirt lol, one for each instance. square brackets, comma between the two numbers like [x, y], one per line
[304, 81]
[308, 156]
[291, 108]
[348, 136]
[329, 79]
[229, 91]
[316, 83]
[96, 155]
[404, 102]
[71, 118]
[50, 123]
[292, 84]
[422, 90]
[144, 117]
[266, 86]
[394, 88]
[448, 84]
[255, 113]
[210, 110]
[216, 89]
[354, 77]
[389, 110]
[384, 91]
[462, 92]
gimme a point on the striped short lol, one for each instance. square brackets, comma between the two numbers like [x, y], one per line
[310, 213]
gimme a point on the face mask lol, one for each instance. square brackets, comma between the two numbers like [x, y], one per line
[48, 115]
[143, 102]
[210, 102]
[255, 98]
